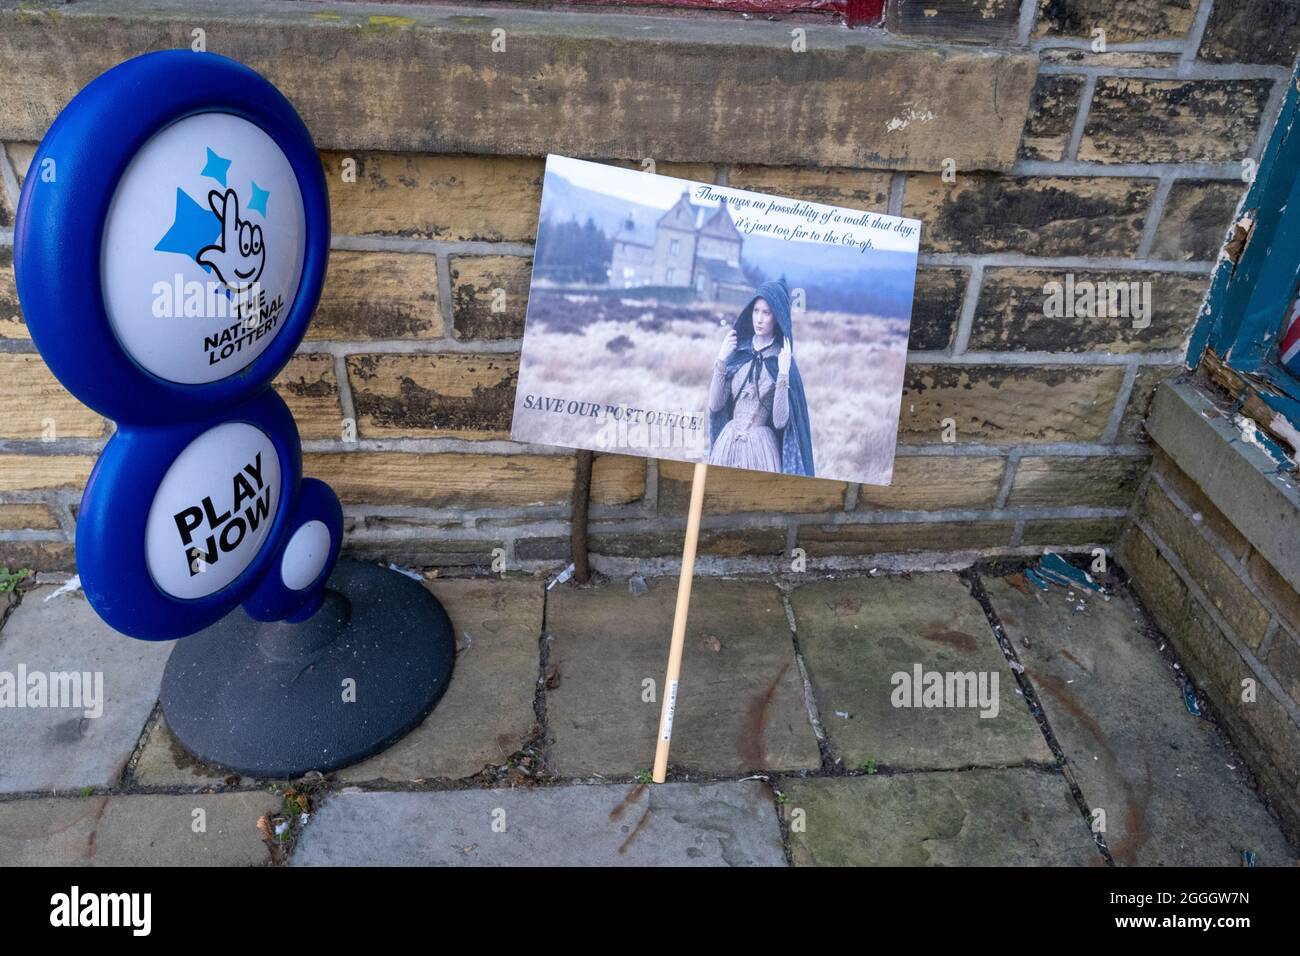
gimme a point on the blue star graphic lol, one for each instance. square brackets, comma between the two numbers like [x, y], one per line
[192, 228]
[217, 167]
[260, 196]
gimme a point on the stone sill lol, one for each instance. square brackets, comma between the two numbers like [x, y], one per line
[1242, 480]
[582, 83]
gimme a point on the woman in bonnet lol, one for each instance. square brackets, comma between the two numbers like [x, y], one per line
[758, 414]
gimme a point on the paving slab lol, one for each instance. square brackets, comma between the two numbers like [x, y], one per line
[60, 748]
[164, 762]
[1172, 793]
[485, 716]
[1005, 817]
[856, 634]
[740, 703]
[487, 713]
[674, 824]
[136, 830]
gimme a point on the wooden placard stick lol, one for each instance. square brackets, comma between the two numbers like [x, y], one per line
[679, 622]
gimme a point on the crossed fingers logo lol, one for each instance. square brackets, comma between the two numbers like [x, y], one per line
[239, 254]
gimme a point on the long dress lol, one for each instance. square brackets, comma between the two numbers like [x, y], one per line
[759, 411]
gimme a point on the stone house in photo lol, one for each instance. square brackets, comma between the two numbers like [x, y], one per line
[689, 245]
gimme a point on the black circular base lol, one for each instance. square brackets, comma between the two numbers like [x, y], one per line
[277, 700]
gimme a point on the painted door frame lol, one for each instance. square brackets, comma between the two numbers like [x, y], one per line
[1248, 301]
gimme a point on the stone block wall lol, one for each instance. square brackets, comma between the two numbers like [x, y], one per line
[1030, 158]
[1211, 552]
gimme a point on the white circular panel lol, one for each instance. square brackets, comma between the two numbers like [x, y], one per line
[212, 511]
[203, 248]
[305, 554]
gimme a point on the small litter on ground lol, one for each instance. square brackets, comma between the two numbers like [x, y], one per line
[1052, 567]
[72, 584]
[561, 577]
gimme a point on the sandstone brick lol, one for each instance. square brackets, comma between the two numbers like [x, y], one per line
[676, 89]
[715, 542]
[617, 479]
[487, 198]
[1127, 60]
[738, 543]
[489, 296]
[1218, 669]
[955, 19]
[433, 395]
[378, 295]
[38, 555]
[730, 490]
[1071, 532]
[854, 188]
[1011, 314]
[850, 539]
[37, 406]
[1278, 590]
[12, 325]
[443, 480]
[1132, 426]
[1205, 512]
[1098, 481]
[308, 387]
[20, 517]
[1225, 590]
[1164, 594]
[696, 172]
[1051, 116]
[1007, 404]
[1134, 120]
[936, 306]
[422, 552]
[1263, 730]
[543, 549]
[409, 521]
[20, 157]
[454, 479]
[1125, 21]
[1284, 663]
[1050, 215]
[1196, 219]
[44, 472]
[936, 482]
[1252, 31]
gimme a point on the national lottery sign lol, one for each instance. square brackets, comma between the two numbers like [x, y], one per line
[170, 248]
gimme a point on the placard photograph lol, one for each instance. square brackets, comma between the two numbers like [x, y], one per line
[696, 322]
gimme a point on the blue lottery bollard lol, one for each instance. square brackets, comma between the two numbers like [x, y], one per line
[170, 248]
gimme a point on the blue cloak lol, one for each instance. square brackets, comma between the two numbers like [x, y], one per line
[795, 440]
